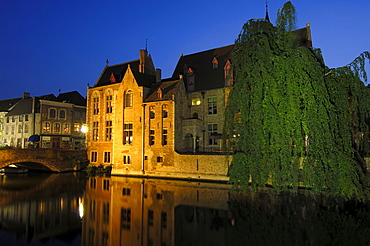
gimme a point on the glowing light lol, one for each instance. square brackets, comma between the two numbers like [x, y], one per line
[81, 208]
[84, 128]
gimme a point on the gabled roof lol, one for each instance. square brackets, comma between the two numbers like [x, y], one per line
[6, 105]
[116, 73]
[206, 76]
[25, 105]
[72, 97]
[117, 70]
[168, 90]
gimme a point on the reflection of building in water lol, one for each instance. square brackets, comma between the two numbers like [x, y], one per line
[129, 211]
[42, 218]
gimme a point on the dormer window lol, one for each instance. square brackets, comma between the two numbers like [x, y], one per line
[112, 78]
[159, 94]
[215, 63]
[228, 74]
[190, 79]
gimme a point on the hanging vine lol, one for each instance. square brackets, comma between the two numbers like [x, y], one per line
[291, 121]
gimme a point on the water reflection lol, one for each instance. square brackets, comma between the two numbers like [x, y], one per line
[39, 207]
[130, 211]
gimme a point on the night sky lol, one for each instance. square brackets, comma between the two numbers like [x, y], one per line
[47, 45]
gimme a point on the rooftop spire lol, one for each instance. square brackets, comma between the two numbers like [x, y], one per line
[267, 12]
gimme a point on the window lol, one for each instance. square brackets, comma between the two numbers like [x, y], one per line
[164, 219]
[109, 103]
[212, 130]
[62, 114]
[106, 184]
[94, 156]
[195, 102]
[164, 137]
[26, 128]
[26, 117]
[128, 133]
[13, 119]
[106, 157]
[125, 218]
[95, 131]
[151, 137]
[106, 212]
[77, 127]
[152, 114]
[212, 105]
[108, 130]
[20, 118]
[126, 159]
[214, 63]
[96, 105]
[46, 127]
[20, 128]
[159, 94]
[13, 129]
[164, 113]
[56, 127]
[52, 113]
[126, 191]
[7, 130]
[159, 159]
[66, 127]
[128, 99]
[150, 217]
[7, 119]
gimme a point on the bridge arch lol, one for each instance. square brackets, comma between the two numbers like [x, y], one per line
[55, 160]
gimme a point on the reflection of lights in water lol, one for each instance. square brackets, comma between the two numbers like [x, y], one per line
[81, 207]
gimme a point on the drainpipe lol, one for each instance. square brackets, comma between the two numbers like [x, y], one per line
[143, 141]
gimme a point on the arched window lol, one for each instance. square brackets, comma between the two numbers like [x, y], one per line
[56, 127]
[96, 104]
[52, 113]
[66, 128]
[129, 99]
[46, 127]
[62, 114]
[109, 102]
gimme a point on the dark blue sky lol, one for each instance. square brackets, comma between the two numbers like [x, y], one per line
[46, 45]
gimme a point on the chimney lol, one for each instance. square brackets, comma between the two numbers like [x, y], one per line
[158, 75]
[25, 95]
[143, 55]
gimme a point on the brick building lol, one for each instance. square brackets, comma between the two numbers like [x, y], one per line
[141, 124]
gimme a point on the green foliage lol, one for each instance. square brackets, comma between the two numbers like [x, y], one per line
[291, 120]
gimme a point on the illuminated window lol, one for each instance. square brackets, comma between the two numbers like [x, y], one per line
[212, 105]
[77, 127]
[108, 130]
[195, 102]
[46, 127]
[20, 128]
[95, 131]
[128, 133]
[128, 99]
[56, 127]
[66, 127]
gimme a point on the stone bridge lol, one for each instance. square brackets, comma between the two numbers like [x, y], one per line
[53, 159]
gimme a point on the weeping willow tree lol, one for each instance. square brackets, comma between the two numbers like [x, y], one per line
[292, 121]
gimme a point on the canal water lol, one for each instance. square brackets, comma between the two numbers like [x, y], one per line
[73, 209]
